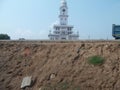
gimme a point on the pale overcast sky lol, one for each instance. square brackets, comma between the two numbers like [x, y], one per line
[32, 19]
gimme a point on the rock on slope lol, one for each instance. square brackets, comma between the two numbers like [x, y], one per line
[59, 65]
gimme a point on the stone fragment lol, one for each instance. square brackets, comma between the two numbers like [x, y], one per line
[40, 89]
[52, 76]
[26, 82]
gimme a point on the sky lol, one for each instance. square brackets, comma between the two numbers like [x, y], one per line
[33, 19]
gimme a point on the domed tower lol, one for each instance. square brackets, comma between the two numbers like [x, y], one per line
[63, 13]
[63, 31]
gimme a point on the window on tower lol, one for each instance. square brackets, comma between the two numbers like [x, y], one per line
[63, 10]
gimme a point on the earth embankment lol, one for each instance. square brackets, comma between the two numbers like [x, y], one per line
[59, 65]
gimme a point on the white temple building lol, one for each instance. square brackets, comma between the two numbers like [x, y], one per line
[63, 31]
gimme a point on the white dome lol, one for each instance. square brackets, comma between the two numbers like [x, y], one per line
[63, 2]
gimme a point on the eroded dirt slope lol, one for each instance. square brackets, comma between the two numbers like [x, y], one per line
[59, 66]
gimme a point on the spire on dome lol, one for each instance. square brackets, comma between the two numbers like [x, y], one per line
[63, 0]
[63, 3]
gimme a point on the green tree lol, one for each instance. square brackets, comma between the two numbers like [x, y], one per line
[4, 37]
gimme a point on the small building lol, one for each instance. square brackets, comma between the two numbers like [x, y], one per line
[116, 31]
[63, 31]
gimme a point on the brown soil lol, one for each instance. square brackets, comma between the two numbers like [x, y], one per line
[59, 65]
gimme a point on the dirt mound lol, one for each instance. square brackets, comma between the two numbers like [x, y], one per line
[59, 65]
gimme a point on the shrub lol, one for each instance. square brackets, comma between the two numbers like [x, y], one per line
[96, 60]
[4, 37]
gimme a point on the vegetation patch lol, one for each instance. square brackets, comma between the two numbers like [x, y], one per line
[4, 37]
[96, 60]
